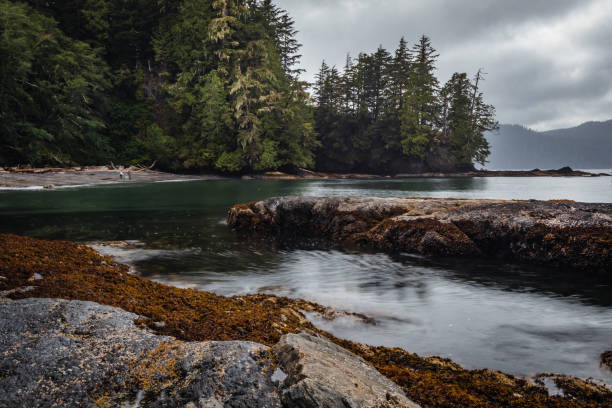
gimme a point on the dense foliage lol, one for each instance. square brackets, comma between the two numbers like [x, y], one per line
[214, 85]
[50, 105]
[388, 113]
[194, 84]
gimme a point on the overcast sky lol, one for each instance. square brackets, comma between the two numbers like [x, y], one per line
[549, 62]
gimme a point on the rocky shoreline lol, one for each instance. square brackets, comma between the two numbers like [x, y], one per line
[76, 328]
[606, 359]
[51, 177]
[75, 353]
[563, 234]
[303, 174]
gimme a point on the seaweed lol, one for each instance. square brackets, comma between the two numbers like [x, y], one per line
[61, 269]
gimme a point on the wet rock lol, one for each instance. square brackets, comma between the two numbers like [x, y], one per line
[606, 359]
[557, 233]
[320, 374]
[73, 353]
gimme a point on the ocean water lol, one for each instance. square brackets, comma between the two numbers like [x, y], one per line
[515, 318]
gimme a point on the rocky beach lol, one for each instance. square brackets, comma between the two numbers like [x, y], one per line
[76, 328]
[52, 177]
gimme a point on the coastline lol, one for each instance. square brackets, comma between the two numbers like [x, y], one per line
[303, 174]
[49, 177]
[32, 269]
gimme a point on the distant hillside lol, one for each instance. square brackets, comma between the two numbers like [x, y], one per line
[588, 146]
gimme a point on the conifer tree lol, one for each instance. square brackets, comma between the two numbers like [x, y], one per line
[419, 113]
[378, 81]
[51, 92]
[320, 90]
[467, 120]
[400, 70]
[288, 46]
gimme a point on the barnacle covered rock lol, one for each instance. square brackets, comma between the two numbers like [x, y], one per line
[556, 233]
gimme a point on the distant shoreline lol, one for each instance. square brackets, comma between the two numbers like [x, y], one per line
[48, 178]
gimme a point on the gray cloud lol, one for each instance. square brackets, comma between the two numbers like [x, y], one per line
[549, 63]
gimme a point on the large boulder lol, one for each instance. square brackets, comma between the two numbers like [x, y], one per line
[321, 374]
[73, 354]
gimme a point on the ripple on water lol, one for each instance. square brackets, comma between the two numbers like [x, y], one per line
[517, 319]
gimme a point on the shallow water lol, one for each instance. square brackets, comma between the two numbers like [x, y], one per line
[522, 320]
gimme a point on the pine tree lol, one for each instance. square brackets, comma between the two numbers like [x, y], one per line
[348, 87]
[319, 87]
[377, 81]
[207, 130]
[400, 70]
[482, 120]
[419, 113]
[467, 120]
[288, 46]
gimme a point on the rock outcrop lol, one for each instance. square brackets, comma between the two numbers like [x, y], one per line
[60, 353]
[321, 374]
[557, 233]
[606, 359]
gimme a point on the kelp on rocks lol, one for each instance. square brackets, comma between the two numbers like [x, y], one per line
[561, 234]
[59, 269]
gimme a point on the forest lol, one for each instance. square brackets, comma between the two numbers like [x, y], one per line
[215, 85]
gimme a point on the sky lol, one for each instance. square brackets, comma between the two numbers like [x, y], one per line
[548, 62]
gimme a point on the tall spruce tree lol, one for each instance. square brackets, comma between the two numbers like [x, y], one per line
[419, 112]
[467, 119]
[378, 80]
[399, 72]
[288, 46]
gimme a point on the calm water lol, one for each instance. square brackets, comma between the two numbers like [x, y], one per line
[519, 319]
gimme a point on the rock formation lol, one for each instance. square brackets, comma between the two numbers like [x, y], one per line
[556, 233]
[323, 374]
[72, 353]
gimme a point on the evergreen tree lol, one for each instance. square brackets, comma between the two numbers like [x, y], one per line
[467, 120]
[386, 112]
[288, 47]
[207, 130]
[400, 70]
[348, 87]
[377, 81]
[320, 90]
[51, 92]
[419, 113]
